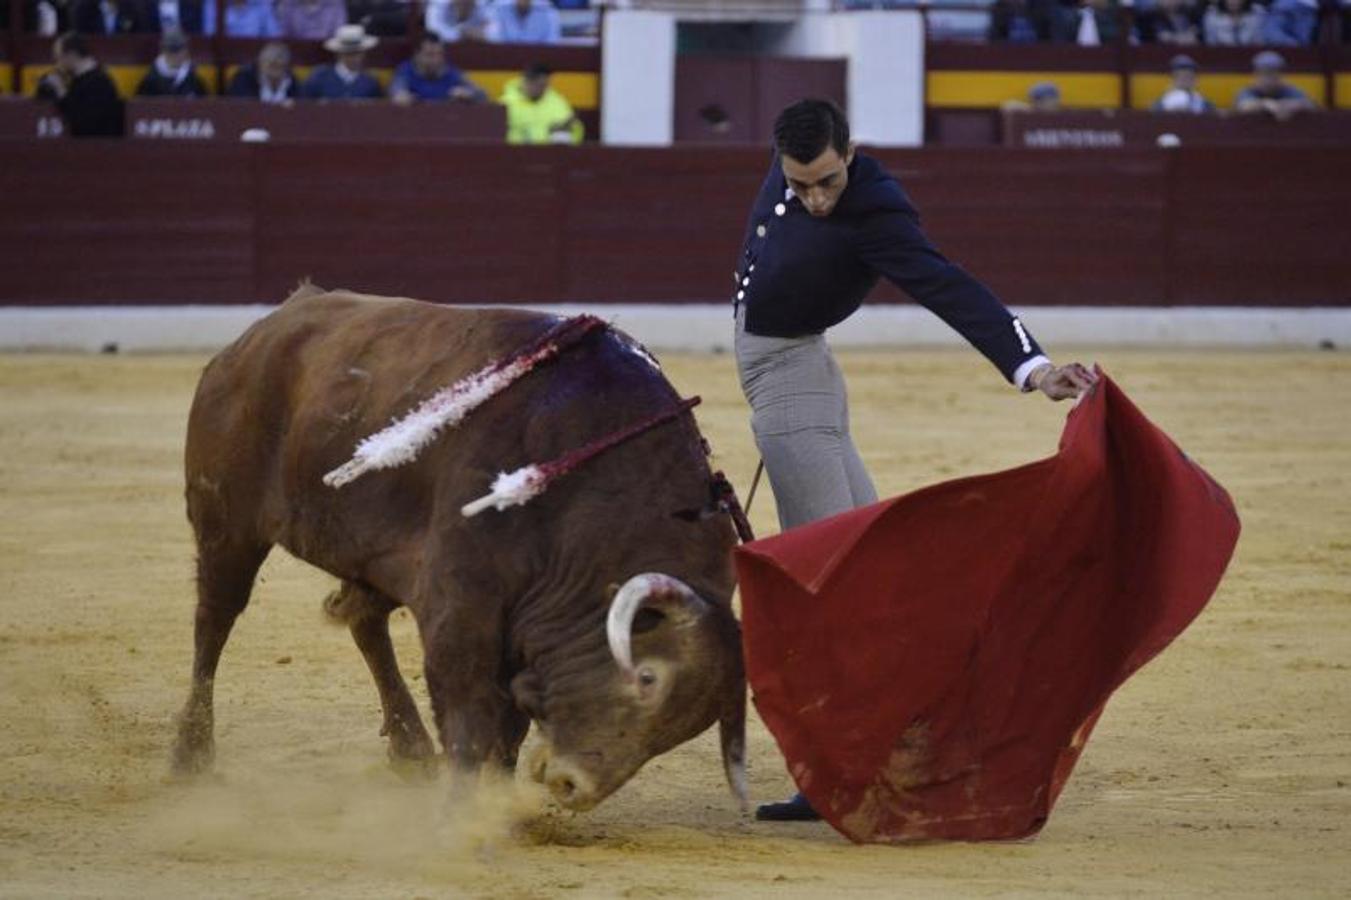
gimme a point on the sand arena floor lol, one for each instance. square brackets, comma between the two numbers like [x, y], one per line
[1221, 770]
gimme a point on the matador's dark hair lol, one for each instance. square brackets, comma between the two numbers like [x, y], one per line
[804, 130]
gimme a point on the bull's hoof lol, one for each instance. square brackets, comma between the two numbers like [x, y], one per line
[411, 753]
[190, 759]
[195, 748]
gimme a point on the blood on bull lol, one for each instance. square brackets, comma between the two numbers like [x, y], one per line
[600, 609]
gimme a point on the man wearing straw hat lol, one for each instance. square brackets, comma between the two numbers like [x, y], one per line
[346, 78]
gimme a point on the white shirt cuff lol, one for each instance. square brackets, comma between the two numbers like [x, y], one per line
[1020, 374]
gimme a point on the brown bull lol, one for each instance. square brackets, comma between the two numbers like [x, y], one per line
[511, 605]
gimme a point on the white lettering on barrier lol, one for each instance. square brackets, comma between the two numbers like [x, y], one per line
[175, 129]
[1072, 137]
[50, 127]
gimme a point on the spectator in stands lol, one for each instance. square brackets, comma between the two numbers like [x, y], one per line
[106, 17]
[185, 15]
[269, 79]
[538, 114]
[1176, 22]
[45, 18]
[311, 20]
[172, 73]
[1290, 23]
[346, 78]
[1021, 21]
[83, 92]
[1234, 23]
[243, 18]
[1182, 96]
[461, 20]
[1044, 96]
[528, 22]
[430, 76]
[1091, 23]
[1269, 92]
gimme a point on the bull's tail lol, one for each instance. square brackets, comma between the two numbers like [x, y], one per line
[306, 288]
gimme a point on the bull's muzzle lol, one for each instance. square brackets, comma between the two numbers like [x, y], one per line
[569, 785]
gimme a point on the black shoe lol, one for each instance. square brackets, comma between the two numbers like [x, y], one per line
[795, 810]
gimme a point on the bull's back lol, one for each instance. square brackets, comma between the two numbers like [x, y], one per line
[323, 370]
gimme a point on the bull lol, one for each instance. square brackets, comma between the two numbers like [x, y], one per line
[601, 610]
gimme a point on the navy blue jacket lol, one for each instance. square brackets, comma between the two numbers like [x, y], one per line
[799, 274]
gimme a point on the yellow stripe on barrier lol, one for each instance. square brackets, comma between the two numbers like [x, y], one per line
[1343, 82]
[985, 89]
[6, 78]
[1221, 89]
[28, 86]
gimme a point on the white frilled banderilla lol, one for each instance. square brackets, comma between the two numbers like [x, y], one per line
[403, 440]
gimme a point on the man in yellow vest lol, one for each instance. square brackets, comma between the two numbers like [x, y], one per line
[538, 114]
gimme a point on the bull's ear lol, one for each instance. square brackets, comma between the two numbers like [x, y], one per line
[528, 692]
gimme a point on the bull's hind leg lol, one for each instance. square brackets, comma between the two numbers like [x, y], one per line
[225, 574]
[366, 613]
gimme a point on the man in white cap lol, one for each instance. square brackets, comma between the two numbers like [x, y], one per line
[346, 78]
[1269, 92]
[1182, 96]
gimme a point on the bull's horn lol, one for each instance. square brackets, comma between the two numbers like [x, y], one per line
[732, 732]
[638, 591]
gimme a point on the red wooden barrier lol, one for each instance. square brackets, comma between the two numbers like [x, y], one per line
[152, 222]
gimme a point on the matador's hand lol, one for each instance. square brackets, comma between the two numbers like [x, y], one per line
[1062, 382]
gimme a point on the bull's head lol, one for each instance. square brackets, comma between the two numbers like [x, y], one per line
[673, 668]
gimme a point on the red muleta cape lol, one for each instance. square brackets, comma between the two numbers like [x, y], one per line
[932, 665]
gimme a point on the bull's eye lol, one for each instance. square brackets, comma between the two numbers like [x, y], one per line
[646, 677]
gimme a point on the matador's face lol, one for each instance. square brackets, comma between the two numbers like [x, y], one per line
[819, 183]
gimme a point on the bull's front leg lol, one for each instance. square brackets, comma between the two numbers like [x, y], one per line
[476, 715]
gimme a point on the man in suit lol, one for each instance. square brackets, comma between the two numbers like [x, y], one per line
[172, 73]
[828, 222]
[83, 92]
[268, 79]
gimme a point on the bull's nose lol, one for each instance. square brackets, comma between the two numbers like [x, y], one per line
[571, 787]
[563, 787]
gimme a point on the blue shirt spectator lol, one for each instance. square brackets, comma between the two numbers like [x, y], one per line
[528, 22]
[461, 20]
[1290, 23]
[243, 18]
[430, 76]
[1021, 21]
[1269, 92]
[345, 79]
